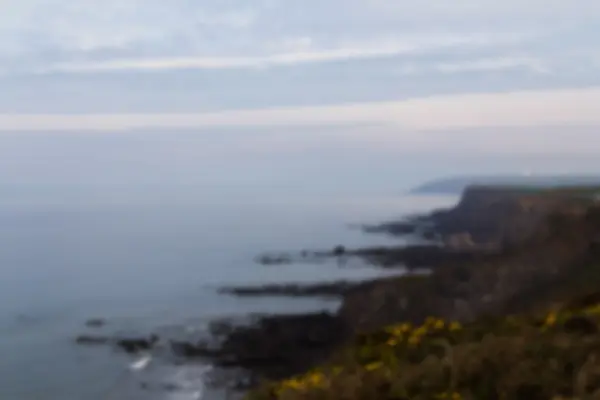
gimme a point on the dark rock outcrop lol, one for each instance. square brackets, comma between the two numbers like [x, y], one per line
[339, 251]
[274, 346]
[95, 323]
[92, 340]
[418, 256]
[333, 289]
[130, 345]
[274, 259]
[135, 345]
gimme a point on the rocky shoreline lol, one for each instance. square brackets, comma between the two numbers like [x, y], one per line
[486, 255]
[333, 289]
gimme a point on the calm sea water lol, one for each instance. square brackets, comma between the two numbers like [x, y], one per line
[151, 263]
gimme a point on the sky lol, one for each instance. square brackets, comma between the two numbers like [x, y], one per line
[467, 78]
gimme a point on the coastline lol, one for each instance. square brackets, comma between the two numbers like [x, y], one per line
[460, 282]
[464, 279]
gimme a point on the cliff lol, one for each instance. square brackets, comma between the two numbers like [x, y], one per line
[456, 185]
[539, 235]
[520, 325]
[505, 216]
[546, 250]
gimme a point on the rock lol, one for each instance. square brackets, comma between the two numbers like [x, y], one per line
[415, 257]
[394, 228]
[129, 345]
[339, 251]
[292, 290]
[193, 350]
[274, 346]
[95, 323]
[135, 345]
[92, 340]
[274, 259]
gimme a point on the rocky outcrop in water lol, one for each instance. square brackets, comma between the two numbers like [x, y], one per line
[334, 289]
[273, 346]
[95, 323]
[130, 345]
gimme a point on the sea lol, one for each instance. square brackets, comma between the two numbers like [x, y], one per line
[151, 262]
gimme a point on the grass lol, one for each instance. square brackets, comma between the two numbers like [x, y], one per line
[585, 191]
[551, 353]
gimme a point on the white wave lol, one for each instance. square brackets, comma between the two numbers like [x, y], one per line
[141, 364]
[191, 380]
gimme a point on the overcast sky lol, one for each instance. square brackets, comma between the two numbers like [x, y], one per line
[97, 56]
[461, 77]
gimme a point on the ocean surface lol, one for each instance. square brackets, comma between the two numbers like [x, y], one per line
[152, 263]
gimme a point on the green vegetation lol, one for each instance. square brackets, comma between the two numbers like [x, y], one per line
[550, 353]
[561, 190]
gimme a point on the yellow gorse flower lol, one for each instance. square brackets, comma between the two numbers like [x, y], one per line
[414, 340]
[374, 366]
[439, 324]
[455, 326]
[420, 331]
[550, 319]
[593, 310]
[313, 380]
[399, 330]
[294, 384]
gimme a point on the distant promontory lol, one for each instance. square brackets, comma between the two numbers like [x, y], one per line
[456, 185]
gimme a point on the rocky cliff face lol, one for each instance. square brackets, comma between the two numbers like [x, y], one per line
[553, 233]
[496, 216]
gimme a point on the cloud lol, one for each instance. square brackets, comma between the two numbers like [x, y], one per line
[524, 108]
[183, 55]
[382, 48]
[494, 64]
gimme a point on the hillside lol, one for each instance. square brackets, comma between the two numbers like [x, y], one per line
[456, 185]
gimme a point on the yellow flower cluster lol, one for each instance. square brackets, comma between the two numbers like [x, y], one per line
[550, 319]
[399, 330]
[414, 335]
[449, 396]
[455, 326]
[593, 310]
[313, 380]
[374, 366]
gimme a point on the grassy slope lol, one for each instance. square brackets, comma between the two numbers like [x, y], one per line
[544, 354]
